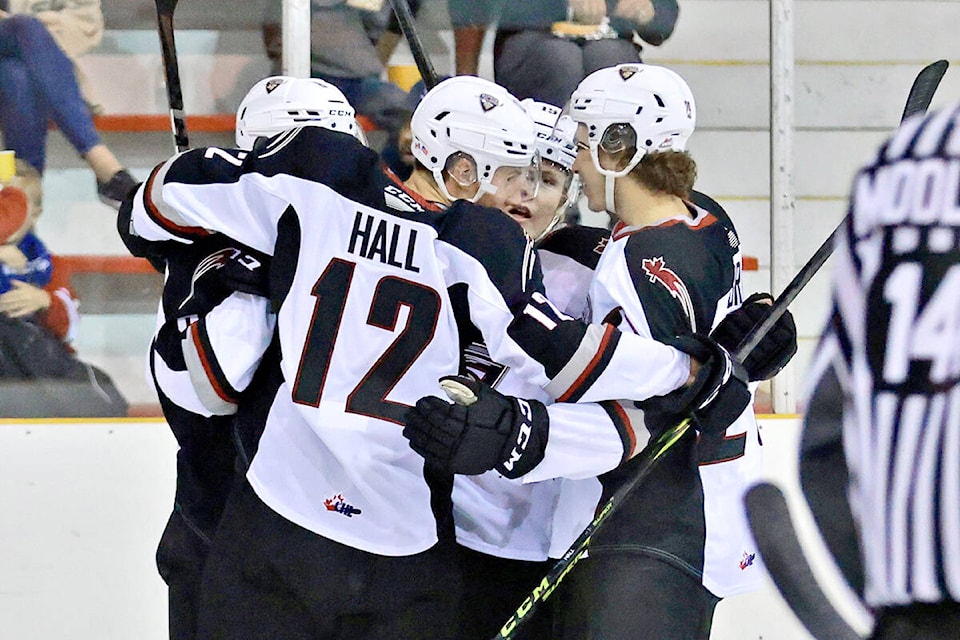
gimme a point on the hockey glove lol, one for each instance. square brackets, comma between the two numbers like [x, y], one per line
[776, 348]
[717, 396]
[483, 430]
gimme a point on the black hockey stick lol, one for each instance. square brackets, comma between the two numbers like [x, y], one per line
[409, 28]
[918, 100]
[787, 564]
[168, 49]
[921, 93]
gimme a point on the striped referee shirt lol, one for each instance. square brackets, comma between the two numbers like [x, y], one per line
[893, 344]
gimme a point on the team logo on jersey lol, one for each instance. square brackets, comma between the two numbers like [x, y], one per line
[488, 102]
[601, 245]
[657, 271]
[212, 262]
[628, 72]
[747, 560]
[339, 505]
[273, 84]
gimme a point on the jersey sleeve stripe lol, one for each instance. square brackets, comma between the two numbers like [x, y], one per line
[162, 215]
[214, 380]
[620, 420]
[599, 348]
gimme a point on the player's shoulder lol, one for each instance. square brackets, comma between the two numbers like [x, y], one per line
[332, 158]
[579, 243]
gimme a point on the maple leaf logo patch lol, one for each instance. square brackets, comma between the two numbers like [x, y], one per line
[658, 272]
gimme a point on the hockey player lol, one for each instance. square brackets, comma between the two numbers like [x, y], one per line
[886, 374]
[670, 269]
[213, 327]
[339, 530]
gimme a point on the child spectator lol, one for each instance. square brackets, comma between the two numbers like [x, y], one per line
[40, 374]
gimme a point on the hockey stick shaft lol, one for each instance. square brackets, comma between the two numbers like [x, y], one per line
[168, 51]
[918, 100]
[921, 94]
[409, 28]
[648, 457]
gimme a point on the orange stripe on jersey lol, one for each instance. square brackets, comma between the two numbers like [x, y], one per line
[598, 357]
[207, 366]
[622, 231]
[162, 221]
[628, 428]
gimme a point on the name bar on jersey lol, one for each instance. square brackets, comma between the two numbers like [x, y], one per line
[923, 192]
[376, 238]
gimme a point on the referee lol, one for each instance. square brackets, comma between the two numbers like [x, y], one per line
[888, 370]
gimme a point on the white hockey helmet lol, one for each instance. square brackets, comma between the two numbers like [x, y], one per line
[643, 106]
[280, 103]
[556, 133]
[557, 142]
[476, 117]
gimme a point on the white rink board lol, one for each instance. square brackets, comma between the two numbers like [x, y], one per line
[83, 505]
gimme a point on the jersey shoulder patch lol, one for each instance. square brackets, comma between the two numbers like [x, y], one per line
[579, 243]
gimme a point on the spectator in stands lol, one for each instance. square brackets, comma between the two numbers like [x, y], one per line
[344, 51]
[543, 49]
[40, 374]
[38, 83]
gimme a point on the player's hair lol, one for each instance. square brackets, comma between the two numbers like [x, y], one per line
[673, 172]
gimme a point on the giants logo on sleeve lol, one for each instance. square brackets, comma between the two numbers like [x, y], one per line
[657, 271]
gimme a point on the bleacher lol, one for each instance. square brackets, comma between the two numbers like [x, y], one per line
[849, 93]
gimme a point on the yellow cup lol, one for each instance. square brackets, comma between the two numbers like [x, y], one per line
[403, 75]
[8, 166]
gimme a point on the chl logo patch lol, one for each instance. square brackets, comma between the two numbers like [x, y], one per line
[273, 84]
[628, 72]
[488, 102]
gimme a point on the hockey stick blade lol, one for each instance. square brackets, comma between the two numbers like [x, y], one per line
[647, 460]
[171, 69]
[408, 26]
[772, 526]
[923, 88]
[918, 100]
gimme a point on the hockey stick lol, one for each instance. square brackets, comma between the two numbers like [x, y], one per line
[921, 93]
[409, 28]
[787, 564]
[178, 121]
[918, 100]
[649, 456]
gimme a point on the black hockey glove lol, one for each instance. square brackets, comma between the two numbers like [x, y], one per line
[716, 397]
[483, 430]
[776, 348]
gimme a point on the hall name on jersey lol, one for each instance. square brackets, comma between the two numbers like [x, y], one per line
[376, 238]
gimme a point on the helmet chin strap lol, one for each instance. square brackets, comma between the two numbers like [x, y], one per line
[608, 200]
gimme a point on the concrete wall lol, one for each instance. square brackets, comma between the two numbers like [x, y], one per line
[83, 506]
